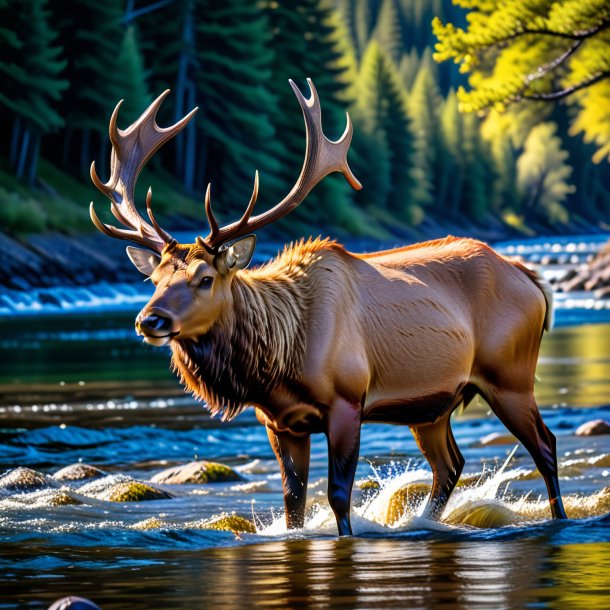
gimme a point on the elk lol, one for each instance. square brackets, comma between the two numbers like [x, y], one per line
[322, 340]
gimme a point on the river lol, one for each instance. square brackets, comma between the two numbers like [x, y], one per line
[76, 386]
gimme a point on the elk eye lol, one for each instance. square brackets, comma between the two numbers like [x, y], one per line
[206, 281]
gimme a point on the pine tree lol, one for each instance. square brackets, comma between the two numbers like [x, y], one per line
[543, 174]
[235, 59]
[131, 81]
[424, 103]
[168, 41]
[408, 68]
[451, 162]
[381, 110]
[306, 44]
[474, 200]
[93, 36]
[32, 91]
[388, 32]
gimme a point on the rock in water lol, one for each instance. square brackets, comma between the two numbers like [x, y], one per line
[134, 491]
[496, 438]
[594, 427]
[78, 472]
[24, 479]
[484, 516]
[64, 498]
[230, 523]
[197, 473]
[409, 496]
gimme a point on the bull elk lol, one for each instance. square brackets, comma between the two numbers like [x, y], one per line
[321, 340]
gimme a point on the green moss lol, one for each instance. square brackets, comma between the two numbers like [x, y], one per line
[63, 498]
[214, 472]
[370, 485]
[133, 491]
[230, 523]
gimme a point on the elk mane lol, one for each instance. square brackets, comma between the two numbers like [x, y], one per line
[258, 344]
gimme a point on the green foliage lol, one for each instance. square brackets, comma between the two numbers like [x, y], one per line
[131, 78]
[424, 104]
[380, 112]
[235, 73]
[32, 89]
[535, 50]
[418, 157]
[543, 174]
[20, 214]
[92, 38]
[388, 31]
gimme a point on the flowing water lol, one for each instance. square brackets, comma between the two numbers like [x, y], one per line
[80, 388]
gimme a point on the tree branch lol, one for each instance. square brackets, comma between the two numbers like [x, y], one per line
[557, 95]
[582, 35]
[555, 63]
[131, 13]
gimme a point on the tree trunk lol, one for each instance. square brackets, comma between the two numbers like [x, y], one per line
[186, 145]
[23, 153]
[85, 152]
[34, 156]
[15, 137]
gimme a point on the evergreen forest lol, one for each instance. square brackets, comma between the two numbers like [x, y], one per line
[423, 162]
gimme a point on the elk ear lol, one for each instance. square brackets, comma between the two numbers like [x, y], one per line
[235, 255]
[144, 260]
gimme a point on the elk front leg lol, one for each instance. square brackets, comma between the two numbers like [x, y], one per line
[292, 453]
[343, 436]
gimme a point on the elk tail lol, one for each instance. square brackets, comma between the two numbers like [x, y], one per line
[545, 287]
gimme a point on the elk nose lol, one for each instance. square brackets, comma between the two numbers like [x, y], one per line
[155, 325]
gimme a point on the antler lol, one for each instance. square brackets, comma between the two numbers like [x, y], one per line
[322, 157]
[131, 150]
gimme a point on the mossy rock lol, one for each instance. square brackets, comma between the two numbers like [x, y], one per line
[64, 498]
[485, 516]
[601, 461]
[24, 479]
[369, 486]
[469, 480]
[78, 472]
[409, 496]
[197, 473]
[134, 491]
[152, 523]
[230, 523]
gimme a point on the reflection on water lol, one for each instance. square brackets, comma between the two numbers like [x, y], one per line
[354, 573]
[574, 366]
[100, 356]
[85, 388]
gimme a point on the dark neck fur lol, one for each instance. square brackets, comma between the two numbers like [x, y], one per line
[252, 350]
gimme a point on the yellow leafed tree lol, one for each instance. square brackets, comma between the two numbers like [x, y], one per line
[539, 50]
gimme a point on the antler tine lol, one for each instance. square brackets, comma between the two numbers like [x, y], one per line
[131, 149]
[115, 232]
[167, 238]
[322, 156]
[246, 216]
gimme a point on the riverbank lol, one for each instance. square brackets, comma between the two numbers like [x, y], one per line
[42, 260]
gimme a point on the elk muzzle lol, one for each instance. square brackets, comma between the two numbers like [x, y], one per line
[156, 326]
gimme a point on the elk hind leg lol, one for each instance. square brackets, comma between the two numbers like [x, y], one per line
[519, 413]
[438, 446]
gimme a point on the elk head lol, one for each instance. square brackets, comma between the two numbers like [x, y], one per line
[193, 281]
